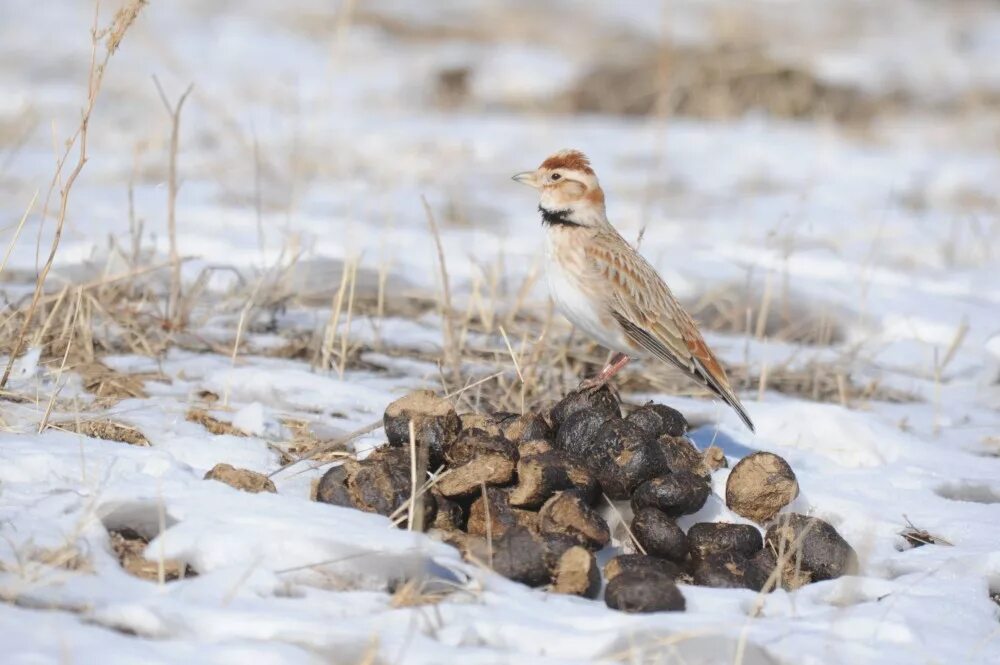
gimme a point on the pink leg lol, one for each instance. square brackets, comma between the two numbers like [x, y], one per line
[614, 365]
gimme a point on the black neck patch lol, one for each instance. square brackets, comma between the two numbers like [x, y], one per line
[556, 217]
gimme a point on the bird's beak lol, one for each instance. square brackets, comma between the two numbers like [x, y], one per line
[526, 178]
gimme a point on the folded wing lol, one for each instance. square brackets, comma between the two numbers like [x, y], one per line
[650, 316]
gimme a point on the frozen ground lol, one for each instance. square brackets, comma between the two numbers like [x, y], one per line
[890, 230]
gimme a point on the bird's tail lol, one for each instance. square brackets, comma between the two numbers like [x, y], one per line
[734, 401]
[725, 392]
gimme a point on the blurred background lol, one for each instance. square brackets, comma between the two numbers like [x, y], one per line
[313, 117]
[819, 171]
[818, 181]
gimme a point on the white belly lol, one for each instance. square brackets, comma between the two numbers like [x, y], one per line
[582, 310]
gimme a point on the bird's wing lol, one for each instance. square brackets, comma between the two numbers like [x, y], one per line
[650, 316]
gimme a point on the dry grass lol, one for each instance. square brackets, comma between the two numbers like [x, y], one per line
[109, 385]
[419, 592]
[130, 547]
[174, 307]
[211, 423]
[33, 561]
[782, 317]
[112, 314]
[716, 82]
[527, 359]
[105, 429]
[113, 35]
[819, 381]
[499, 351]
[306, 443]
[917, 537]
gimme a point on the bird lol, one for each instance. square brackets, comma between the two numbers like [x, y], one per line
[607, 289]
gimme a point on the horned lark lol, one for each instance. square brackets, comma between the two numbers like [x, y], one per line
[606, 289]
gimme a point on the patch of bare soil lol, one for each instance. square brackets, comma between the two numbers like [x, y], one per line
[241, 479]
[131, 548]
[717, 82]
[107, 430]
[110, 385]
[211, 423]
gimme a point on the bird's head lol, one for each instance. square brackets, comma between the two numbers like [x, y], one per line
[568, 189]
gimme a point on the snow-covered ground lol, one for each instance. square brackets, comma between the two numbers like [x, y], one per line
[313, 131]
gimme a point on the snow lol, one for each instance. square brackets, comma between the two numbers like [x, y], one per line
[890, 231]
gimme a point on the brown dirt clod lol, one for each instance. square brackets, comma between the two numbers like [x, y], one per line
[130, 547]
[448, 514]
[492, 469]
[108, 430]
[212, 424]
[577, 573]
[520, 555]
[716, 82]
[538, 478]
[760, 568]
[497, 506]
[627, 457]
[600, 402]
[624, 563]
[707, 538]
[714, 458]
[659, 534]
[332, 488]
[527, 427]
[435, 423]
[568, 513]
[643, 591]
[472, 548]
[474, 443]
[584, 482]
[812, 546]
[109, 385]
[576, 437]
[659, 420]
[682, 455]
[760, 486]
[380, 483]
[241, 479]
[480, 421]
[676, 494]
[722, 570]
[534, 447]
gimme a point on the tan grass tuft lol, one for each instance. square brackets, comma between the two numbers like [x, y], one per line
[123, 20]
[108, 430]
[418, 592]
[108, 384]
[130, 547]
[211, 423]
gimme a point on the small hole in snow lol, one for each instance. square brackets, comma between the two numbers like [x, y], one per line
[969, 490]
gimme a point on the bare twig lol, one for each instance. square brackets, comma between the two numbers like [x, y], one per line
[450, 361]
[134, 223]
[115, 32]
[628, 530]
[17, 231]
[367, 429]
[62, 367]
[415, 518]
[174, 111]
[489, 525]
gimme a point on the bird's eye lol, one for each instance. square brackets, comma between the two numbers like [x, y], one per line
[555, 176]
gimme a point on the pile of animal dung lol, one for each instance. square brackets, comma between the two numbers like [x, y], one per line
[522, 494]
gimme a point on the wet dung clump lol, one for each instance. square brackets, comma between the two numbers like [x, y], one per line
[523, 494]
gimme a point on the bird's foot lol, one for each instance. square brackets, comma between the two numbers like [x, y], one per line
[592, 384]
[617, 361]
